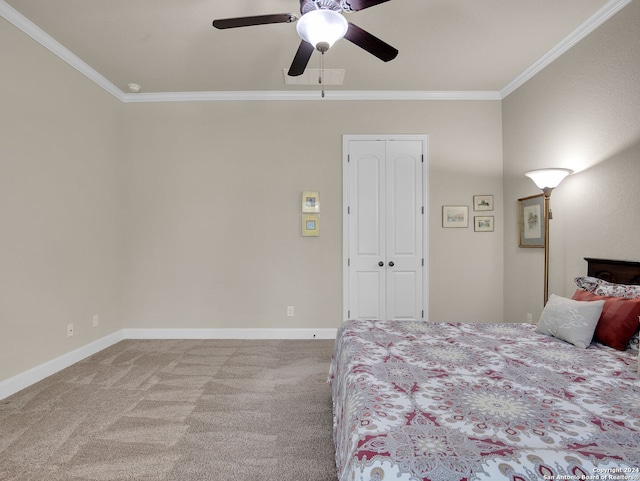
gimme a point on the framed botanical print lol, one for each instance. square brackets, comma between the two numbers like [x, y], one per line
[531, 221]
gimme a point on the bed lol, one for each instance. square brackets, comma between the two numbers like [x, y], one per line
[460, 401]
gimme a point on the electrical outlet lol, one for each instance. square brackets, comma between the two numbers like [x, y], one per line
[289, 311]
[96, 320]
[529, 318]
[69, 330]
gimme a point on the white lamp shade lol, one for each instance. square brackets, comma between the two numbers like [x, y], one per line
[319, 26]
[548, 178]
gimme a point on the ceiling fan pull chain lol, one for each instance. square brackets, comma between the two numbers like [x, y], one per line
[321, 79]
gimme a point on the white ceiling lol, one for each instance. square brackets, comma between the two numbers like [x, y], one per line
[170, 46]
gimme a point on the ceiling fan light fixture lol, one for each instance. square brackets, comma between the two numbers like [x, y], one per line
[322, 27]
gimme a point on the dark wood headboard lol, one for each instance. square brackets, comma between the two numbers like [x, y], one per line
[620, 272]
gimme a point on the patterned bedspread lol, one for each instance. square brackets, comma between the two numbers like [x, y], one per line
[432, 401]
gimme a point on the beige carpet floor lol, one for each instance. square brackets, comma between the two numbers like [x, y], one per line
[177, 410]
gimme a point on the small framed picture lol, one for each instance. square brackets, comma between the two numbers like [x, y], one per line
[531, 221]
[482, 202]
[310, 225]
[483, 223]
[455, 216]
[310, 201]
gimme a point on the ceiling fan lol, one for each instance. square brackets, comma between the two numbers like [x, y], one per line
[321, 24]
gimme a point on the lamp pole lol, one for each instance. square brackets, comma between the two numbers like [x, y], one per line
[547, 217]
[547, 180]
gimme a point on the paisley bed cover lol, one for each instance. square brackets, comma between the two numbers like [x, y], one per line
[433, 401]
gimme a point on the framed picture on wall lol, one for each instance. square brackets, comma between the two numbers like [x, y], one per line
[310, 201]
[455, 216]
[483, 223]
[482, 202]
[531, 221]
[310, 225]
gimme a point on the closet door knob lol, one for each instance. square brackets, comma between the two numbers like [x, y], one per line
[381, 263]
[391, 264]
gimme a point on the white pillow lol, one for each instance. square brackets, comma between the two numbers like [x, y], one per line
[570, 320]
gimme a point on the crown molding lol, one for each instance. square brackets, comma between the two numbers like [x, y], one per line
[32, 30]
[25, 25]
[330, 95]
[600, 17]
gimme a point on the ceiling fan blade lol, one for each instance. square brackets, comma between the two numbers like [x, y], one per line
[370, 43]
[255, 20]
[355, 5]
[301, 59]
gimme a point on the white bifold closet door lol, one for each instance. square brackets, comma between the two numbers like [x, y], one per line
[385, 215]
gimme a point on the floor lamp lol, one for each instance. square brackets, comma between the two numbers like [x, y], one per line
[547, 180]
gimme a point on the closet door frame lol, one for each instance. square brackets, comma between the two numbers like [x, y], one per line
[345, 214]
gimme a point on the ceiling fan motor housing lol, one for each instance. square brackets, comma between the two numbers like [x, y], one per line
[309, 5]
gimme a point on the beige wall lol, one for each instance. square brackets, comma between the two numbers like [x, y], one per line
[186, 215]
[60, 182]
[582, 112]
[213, 209]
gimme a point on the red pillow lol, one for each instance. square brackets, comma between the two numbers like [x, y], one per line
[618, 321]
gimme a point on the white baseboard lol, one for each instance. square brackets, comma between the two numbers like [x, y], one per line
[20, 381]
[230, 333]
[25, 379]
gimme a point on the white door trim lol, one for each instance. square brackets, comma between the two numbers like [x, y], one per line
[345, 228]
